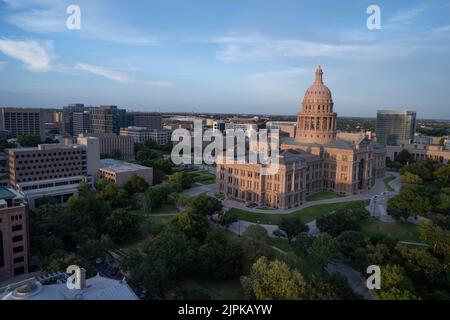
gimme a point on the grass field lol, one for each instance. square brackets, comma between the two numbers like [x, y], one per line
[402, 231]
[229, 289]
[386, 183]
[306, 215]
[322, 196]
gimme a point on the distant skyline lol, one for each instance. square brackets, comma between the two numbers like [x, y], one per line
[226, 56]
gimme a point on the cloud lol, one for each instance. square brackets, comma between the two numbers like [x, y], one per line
[286, 73]
[158, 83]
[2, 65]
[49, 16]
[35, 56]
[265, 48]
[406, 16]
[105, 72]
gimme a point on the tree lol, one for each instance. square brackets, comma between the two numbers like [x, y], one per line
[174, 248]
[182, 179]
[220, 257]
[292, 227]
[152, 198]
[340, 221]
[442, 174]
[395, 284]
[194, 225]
[437, 238]
[101, 184]
[28, 140]
[274, 280]
[421, 169]
[165, 165]
[143, 154]
[404, 157]
[135, 185]
[96, 248]
[410, 178]
[121, 225]
[324, 249]
[408, 203]
[205, 205]
[255, 243]
[349, 241]
[84, 189]
[60, 260]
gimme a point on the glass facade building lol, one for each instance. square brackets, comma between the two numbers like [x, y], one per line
[395, 127]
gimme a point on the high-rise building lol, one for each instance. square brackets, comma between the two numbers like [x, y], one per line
[53, 170]
[149, 120]
[395, 127]
[107, 119]
[67, 117]
[81, 122]
[13, 234]
[23, 121]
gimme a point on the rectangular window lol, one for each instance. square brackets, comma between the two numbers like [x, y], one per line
[18, 249]
[19, 260]
[17, 238]
[17, 227]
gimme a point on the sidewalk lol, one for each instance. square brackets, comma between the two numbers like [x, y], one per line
[377, 189]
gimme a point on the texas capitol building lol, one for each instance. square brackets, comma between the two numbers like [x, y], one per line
[313, 161]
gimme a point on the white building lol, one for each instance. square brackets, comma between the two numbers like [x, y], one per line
[142, 134]
[54, 170]
[95, 288]
[119, 172]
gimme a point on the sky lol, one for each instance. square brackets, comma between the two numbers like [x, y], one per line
[226, 56]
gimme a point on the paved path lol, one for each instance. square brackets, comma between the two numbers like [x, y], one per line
[210, 189]
[354, 278]
[242, 225]
[367, 194]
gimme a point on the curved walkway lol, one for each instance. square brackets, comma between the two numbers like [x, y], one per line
[377, 189]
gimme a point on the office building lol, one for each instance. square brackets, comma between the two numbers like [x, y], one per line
[113, 144]
[119, 172]
[13, 234]
[141, 134]
[420, 152]
[107, 119]
[67, 117]
[149, 120]
[23, 121]
[395, 127]
[81, 123]
[53, 170]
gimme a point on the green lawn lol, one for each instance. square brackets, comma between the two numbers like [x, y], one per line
[204, 177]
[322, 196]
[229, 289]
[306, 215]
[307, 264]
[402, 231]
[386, 183]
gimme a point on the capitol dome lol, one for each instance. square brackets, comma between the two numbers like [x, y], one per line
[318, 92]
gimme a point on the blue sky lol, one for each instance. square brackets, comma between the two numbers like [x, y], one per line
[234, 56]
